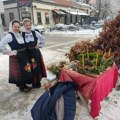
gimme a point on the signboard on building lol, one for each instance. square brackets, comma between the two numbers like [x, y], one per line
[1, 7]
[21, 3]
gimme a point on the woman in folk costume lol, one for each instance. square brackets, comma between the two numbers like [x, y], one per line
[19, 62]
[31, 38]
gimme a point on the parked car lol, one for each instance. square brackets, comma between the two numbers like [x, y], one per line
[63, 27]
[60, 27]
[40, 28]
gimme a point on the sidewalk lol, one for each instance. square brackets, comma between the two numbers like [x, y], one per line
[15, 105]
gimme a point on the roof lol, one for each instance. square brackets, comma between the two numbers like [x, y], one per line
[67, 3]
[84, 4]
[63, 2]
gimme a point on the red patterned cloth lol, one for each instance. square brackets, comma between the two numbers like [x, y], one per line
[95, 89]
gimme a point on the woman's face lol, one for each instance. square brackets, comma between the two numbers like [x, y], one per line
[28, 25]
[16, 27]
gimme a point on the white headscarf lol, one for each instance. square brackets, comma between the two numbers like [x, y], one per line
[10, 25]
[18, 36]
[25, 20]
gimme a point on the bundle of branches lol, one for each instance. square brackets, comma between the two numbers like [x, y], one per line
[109, 38]
[78, 48]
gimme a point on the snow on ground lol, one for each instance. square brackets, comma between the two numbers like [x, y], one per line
[15, 105]
[80, 32]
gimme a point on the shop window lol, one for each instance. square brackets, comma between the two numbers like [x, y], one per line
[11, 15]
[87, 11]
[3, 19]
[47, 18]
[39, 18]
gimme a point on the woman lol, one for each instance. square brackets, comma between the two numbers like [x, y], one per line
[32, 44]
[19, 62]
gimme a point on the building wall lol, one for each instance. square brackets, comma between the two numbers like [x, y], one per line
[43, 8]
[40, 7]
[7, 16]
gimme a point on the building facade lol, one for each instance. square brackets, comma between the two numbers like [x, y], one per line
[44, 12]
[1, 22]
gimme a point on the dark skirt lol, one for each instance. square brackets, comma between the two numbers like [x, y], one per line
[37, 63]
[14, 70]
[18, 74]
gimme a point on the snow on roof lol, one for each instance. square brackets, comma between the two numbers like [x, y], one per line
[83, 4]
[79, 13]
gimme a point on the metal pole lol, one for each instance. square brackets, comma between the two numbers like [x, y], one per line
[1, 28]
[18, 11]
[77, 16]
[32, 11]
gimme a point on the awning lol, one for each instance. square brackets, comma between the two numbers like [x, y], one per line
[58, 11]
[79, 13]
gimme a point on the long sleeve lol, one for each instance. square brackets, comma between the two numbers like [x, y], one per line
[41, 39]
[4, 47]
[5, 41]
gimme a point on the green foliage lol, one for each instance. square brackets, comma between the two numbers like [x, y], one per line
[92, 64]
[56, 68]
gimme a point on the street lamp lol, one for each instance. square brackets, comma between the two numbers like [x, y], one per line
[69, 9]
[69, 15]
[97, 14]
[77, 16]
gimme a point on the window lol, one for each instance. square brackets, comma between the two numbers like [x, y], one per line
[26, 15]
[87, 11]
[11, 15]
[39, 18]
[3, 19]
[47, 18]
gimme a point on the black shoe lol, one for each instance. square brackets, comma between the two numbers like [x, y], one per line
[30, 88]
[36, 85]
[24, 88]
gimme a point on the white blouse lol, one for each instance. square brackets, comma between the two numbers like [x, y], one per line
[29, 37]
[7, 39]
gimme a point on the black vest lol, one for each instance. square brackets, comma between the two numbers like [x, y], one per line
[31, 44]
[14, 44]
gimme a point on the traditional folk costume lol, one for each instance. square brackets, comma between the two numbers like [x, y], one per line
[19, 62]
[37, 63]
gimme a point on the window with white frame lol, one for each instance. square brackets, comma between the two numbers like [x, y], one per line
[11, 15]
[39, 19]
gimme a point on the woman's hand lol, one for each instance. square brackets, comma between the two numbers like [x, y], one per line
[36, 47]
